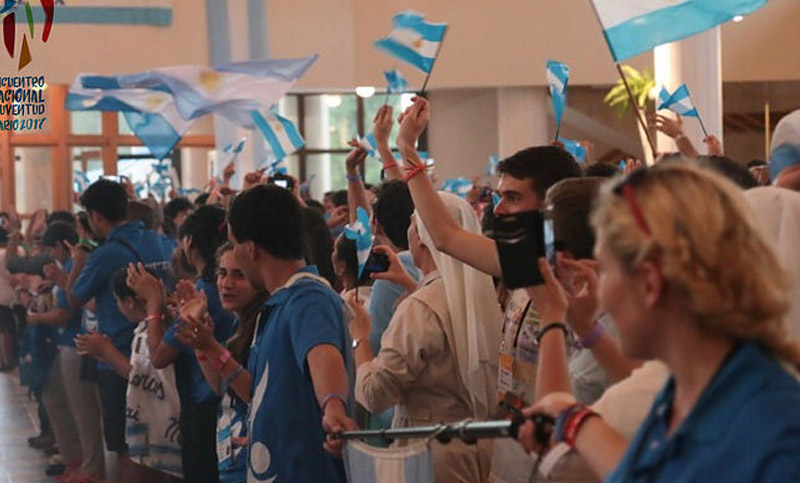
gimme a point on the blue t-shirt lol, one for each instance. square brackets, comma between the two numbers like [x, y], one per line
[285, 418]
[383, 300]
[744, 427]
[66, 334]
[95, 279]
[188, 375]
[232, 425]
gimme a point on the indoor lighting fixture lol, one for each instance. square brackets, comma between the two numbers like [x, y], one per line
[738, 18]
[333, 101]
[365, 91]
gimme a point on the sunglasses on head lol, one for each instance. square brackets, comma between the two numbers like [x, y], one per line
[625, 188]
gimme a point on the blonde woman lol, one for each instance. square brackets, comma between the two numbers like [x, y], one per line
[691, 281]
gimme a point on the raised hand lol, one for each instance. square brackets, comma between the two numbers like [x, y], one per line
[55, 274]
[714, 145]
[396, 272]
[355, 157]
[384, 121]
[196, 333]
[146, 286]
[253, 178]
[412, 123]
[669, 126]
[361, 324]
[549, 298]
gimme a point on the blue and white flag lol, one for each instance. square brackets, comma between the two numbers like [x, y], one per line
[635, 26]
[80, 181]
[458, 186]
[408, 464]
[679, 102]
[369, 144]
[414, 40]
[232, 90]
[152, 115]
[282, 136]
[360, 233]
[492, 167]
[575, 149]
[395, 82]
[557, 79]
[275, 167]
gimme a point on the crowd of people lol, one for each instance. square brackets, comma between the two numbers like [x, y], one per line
[232, 337]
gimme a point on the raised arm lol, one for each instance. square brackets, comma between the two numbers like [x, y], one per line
[356, 193]
[674, 129]
[472, 249]
[384, 121]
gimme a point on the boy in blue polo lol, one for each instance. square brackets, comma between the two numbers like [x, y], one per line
[300, 354]
[106, 204]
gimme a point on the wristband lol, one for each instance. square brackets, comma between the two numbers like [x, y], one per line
[415, 171]
[575, 424]
[389, 165]
[226, 381]
[330, 397]
[154, 318]
[592, 337]
[562, 422]
[547, 328]
[218, 364]
[353, 178]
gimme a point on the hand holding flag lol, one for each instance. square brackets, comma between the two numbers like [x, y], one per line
[557, 79]
[679, 102]
[360, 233]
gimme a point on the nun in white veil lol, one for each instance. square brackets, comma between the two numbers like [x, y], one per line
[438, 355]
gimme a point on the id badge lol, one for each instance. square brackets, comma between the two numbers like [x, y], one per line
[224, 446]
[505, 379]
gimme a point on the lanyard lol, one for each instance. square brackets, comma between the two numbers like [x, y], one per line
[520, 323]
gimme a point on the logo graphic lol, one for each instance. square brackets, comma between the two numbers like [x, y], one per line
[9, 14]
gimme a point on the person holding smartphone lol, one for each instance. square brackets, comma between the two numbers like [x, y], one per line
[445, 328]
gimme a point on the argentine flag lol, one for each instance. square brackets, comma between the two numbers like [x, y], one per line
[232, 90]
[414, 40]
[281, 134]
[458, 186]
[369, 144]
[575, 149]
[635, 26]
[360, 233]
[151, 114]
[395, 82]
[557, 79]
[679, 102]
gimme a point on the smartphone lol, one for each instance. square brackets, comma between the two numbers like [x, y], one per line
[282, 180]
[376, 263]
[520, 240]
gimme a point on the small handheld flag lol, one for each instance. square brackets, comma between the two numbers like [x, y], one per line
[679, 102]
[280, 133]
[557, 79]
[493, 161]
[360, 233]
[276, 168]
[457, 186]
[369, 144]
[575, 149]
[415, 41]
[395, 82]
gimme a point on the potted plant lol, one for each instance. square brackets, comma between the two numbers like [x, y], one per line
[642, 85]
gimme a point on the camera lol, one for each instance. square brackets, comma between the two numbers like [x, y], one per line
[283, 180]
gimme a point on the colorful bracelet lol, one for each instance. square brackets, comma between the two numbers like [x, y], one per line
[154, 318]
[353, 178]
[575, 424]
[561, 422]
[330, 397]
[389, 165]
[417, 169]
[592, 337]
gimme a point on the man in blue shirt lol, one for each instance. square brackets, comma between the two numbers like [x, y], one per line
[299, 357]
[106, 204]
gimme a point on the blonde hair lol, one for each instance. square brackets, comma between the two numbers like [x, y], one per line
[709, 250]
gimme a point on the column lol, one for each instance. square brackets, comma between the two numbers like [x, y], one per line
[522, 119]
[697, 62]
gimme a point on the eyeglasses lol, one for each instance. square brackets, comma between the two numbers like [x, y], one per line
[625, 189]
